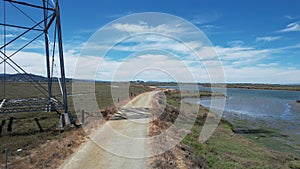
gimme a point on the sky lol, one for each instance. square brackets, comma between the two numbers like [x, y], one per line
[255, 41]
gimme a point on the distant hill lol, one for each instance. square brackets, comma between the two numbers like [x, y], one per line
[22, 78]
[25, 78]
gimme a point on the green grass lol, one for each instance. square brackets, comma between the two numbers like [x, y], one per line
[257, 86]
[268, 137]
[197, 94]
[227, 150]
[174, 98]
[25, 133]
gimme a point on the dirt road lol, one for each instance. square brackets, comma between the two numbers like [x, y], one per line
[119, 143]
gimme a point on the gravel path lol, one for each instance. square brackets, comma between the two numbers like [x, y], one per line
[119, 143]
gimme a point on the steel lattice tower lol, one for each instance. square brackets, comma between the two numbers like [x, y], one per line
[50, 22]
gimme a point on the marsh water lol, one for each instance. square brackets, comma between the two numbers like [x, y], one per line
[253, 108]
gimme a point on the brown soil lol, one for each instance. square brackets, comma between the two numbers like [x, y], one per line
[53, 153]
[179, 157]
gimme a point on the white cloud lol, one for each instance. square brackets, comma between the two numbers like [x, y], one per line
[22, 41]
[240, 56]
[79, 32]
[8, 35]
[170, 66]
[207, 53]
[146, 42]
[296, 46]
[262, 75]
[268, 38]
[241, 64]
[151, 66]
[143, 27]
[291, 17]
[208, 26]
[32, 62]
[119, 15]
[235, 43]
[165, 68]
[206, 17]
[267, 64]
[11, 29]
[292, 27]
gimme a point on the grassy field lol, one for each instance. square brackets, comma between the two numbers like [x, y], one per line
[225, 149]
[256, 86]
[292, 87]
[26, 137]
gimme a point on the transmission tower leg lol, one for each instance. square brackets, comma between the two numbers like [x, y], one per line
[66, 116]
[49, 105]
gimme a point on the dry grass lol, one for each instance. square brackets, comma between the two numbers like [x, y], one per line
[48, 153]
[52, 153]
[162, 115]
[47, 148]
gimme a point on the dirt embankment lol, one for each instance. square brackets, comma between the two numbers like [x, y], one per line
[181, 156]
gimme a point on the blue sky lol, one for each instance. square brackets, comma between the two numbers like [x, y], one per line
[257, 41]
[222, 21]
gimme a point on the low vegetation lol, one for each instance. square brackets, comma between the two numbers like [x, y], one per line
[224, 149]
[291, 87]
[34, 139]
